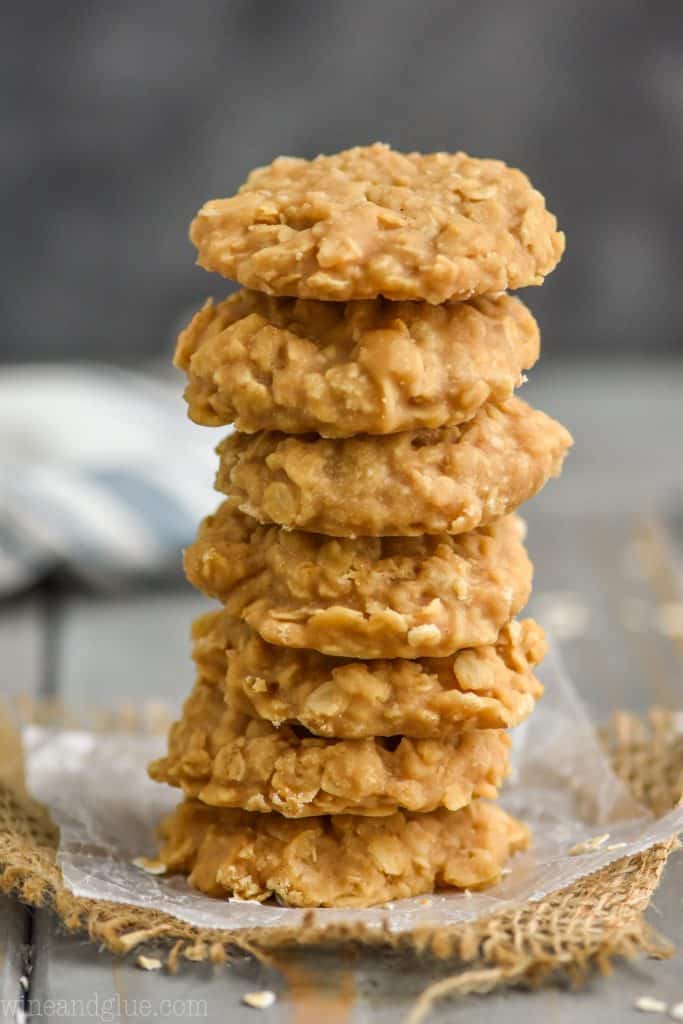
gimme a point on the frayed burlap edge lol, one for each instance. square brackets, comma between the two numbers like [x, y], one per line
[573, 931]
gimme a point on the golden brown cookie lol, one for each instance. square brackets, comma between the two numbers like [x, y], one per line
[425, 481]
[338, 369]
[342, 861]
[371, 221]
[385, 597]
[226, 759]
[491, 687]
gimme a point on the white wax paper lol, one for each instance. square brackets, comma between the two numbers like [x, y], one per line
[97, 790]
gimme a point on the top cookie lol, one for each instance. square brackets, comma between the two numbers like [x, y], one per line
[372, 222]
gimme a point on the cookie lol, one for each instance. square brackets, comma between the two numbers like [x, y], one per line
[427, 481]
[371, 221]
[386, 597]
[228, 760]
[338, 369]
[342, 861]
[491, 687]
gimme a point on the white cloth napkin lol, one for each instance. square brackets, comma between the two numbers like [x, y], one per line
[101, 472]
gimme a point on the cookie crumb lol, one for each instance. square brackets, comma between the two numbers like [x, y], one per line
[259, 1000]
[589, 845]
[149, 963]
[648, 1004]
[152, 867]
[427, 634]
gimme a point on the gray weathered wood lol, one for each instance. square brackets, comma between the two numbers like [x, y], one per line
[22, 646]
[70, 968]
[591, 593]
[22, 652]
[14, 938]
[127, 648]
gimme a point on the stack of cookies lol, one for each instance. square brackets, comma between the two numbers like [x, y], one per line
[349, 721]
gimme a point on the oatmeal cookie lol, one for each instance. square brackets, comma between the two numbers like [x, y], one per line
[342, 861]
[385, 597]
[490, 687]
[226, 759]
[338, 369]
[427, 481]
[371, 221]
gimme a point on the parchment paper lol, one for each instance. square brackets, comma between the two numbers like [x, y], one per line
[97, 790]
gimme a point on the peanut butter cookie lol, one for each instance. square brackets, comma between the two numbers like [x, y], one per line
[490, 687]
[228, 760]
[427, 481]
[388, 597]
[342, 861]
[338, 369]
[371, 221]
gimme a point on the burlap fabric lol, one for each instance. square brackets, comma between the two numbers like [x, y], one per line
[573, 931]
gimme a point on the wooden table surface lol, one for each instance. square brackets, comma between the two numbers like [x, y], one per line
[624, 478]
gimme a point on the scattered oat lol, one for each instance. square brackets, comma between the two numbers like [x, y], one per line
[426, 902]
[152, 867]
[467, 893]
[676, 1012]
[616, 846]
[589, 845]
[505, 872]
[149, 963]
[647, 1004]
[259, 1000]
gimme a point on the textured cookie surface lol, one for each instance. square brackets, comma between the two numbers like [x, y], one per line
[342, 861]
[338, 369]
[371, 221]
[490, 687]
[228, 760]
[427, 481]
[388, 597]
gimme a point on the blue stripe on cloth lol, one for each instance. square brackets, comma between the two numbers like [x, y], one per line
[162, 514]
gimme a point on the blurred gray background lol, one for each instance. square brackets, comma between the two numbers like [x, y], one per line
[120, 119]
